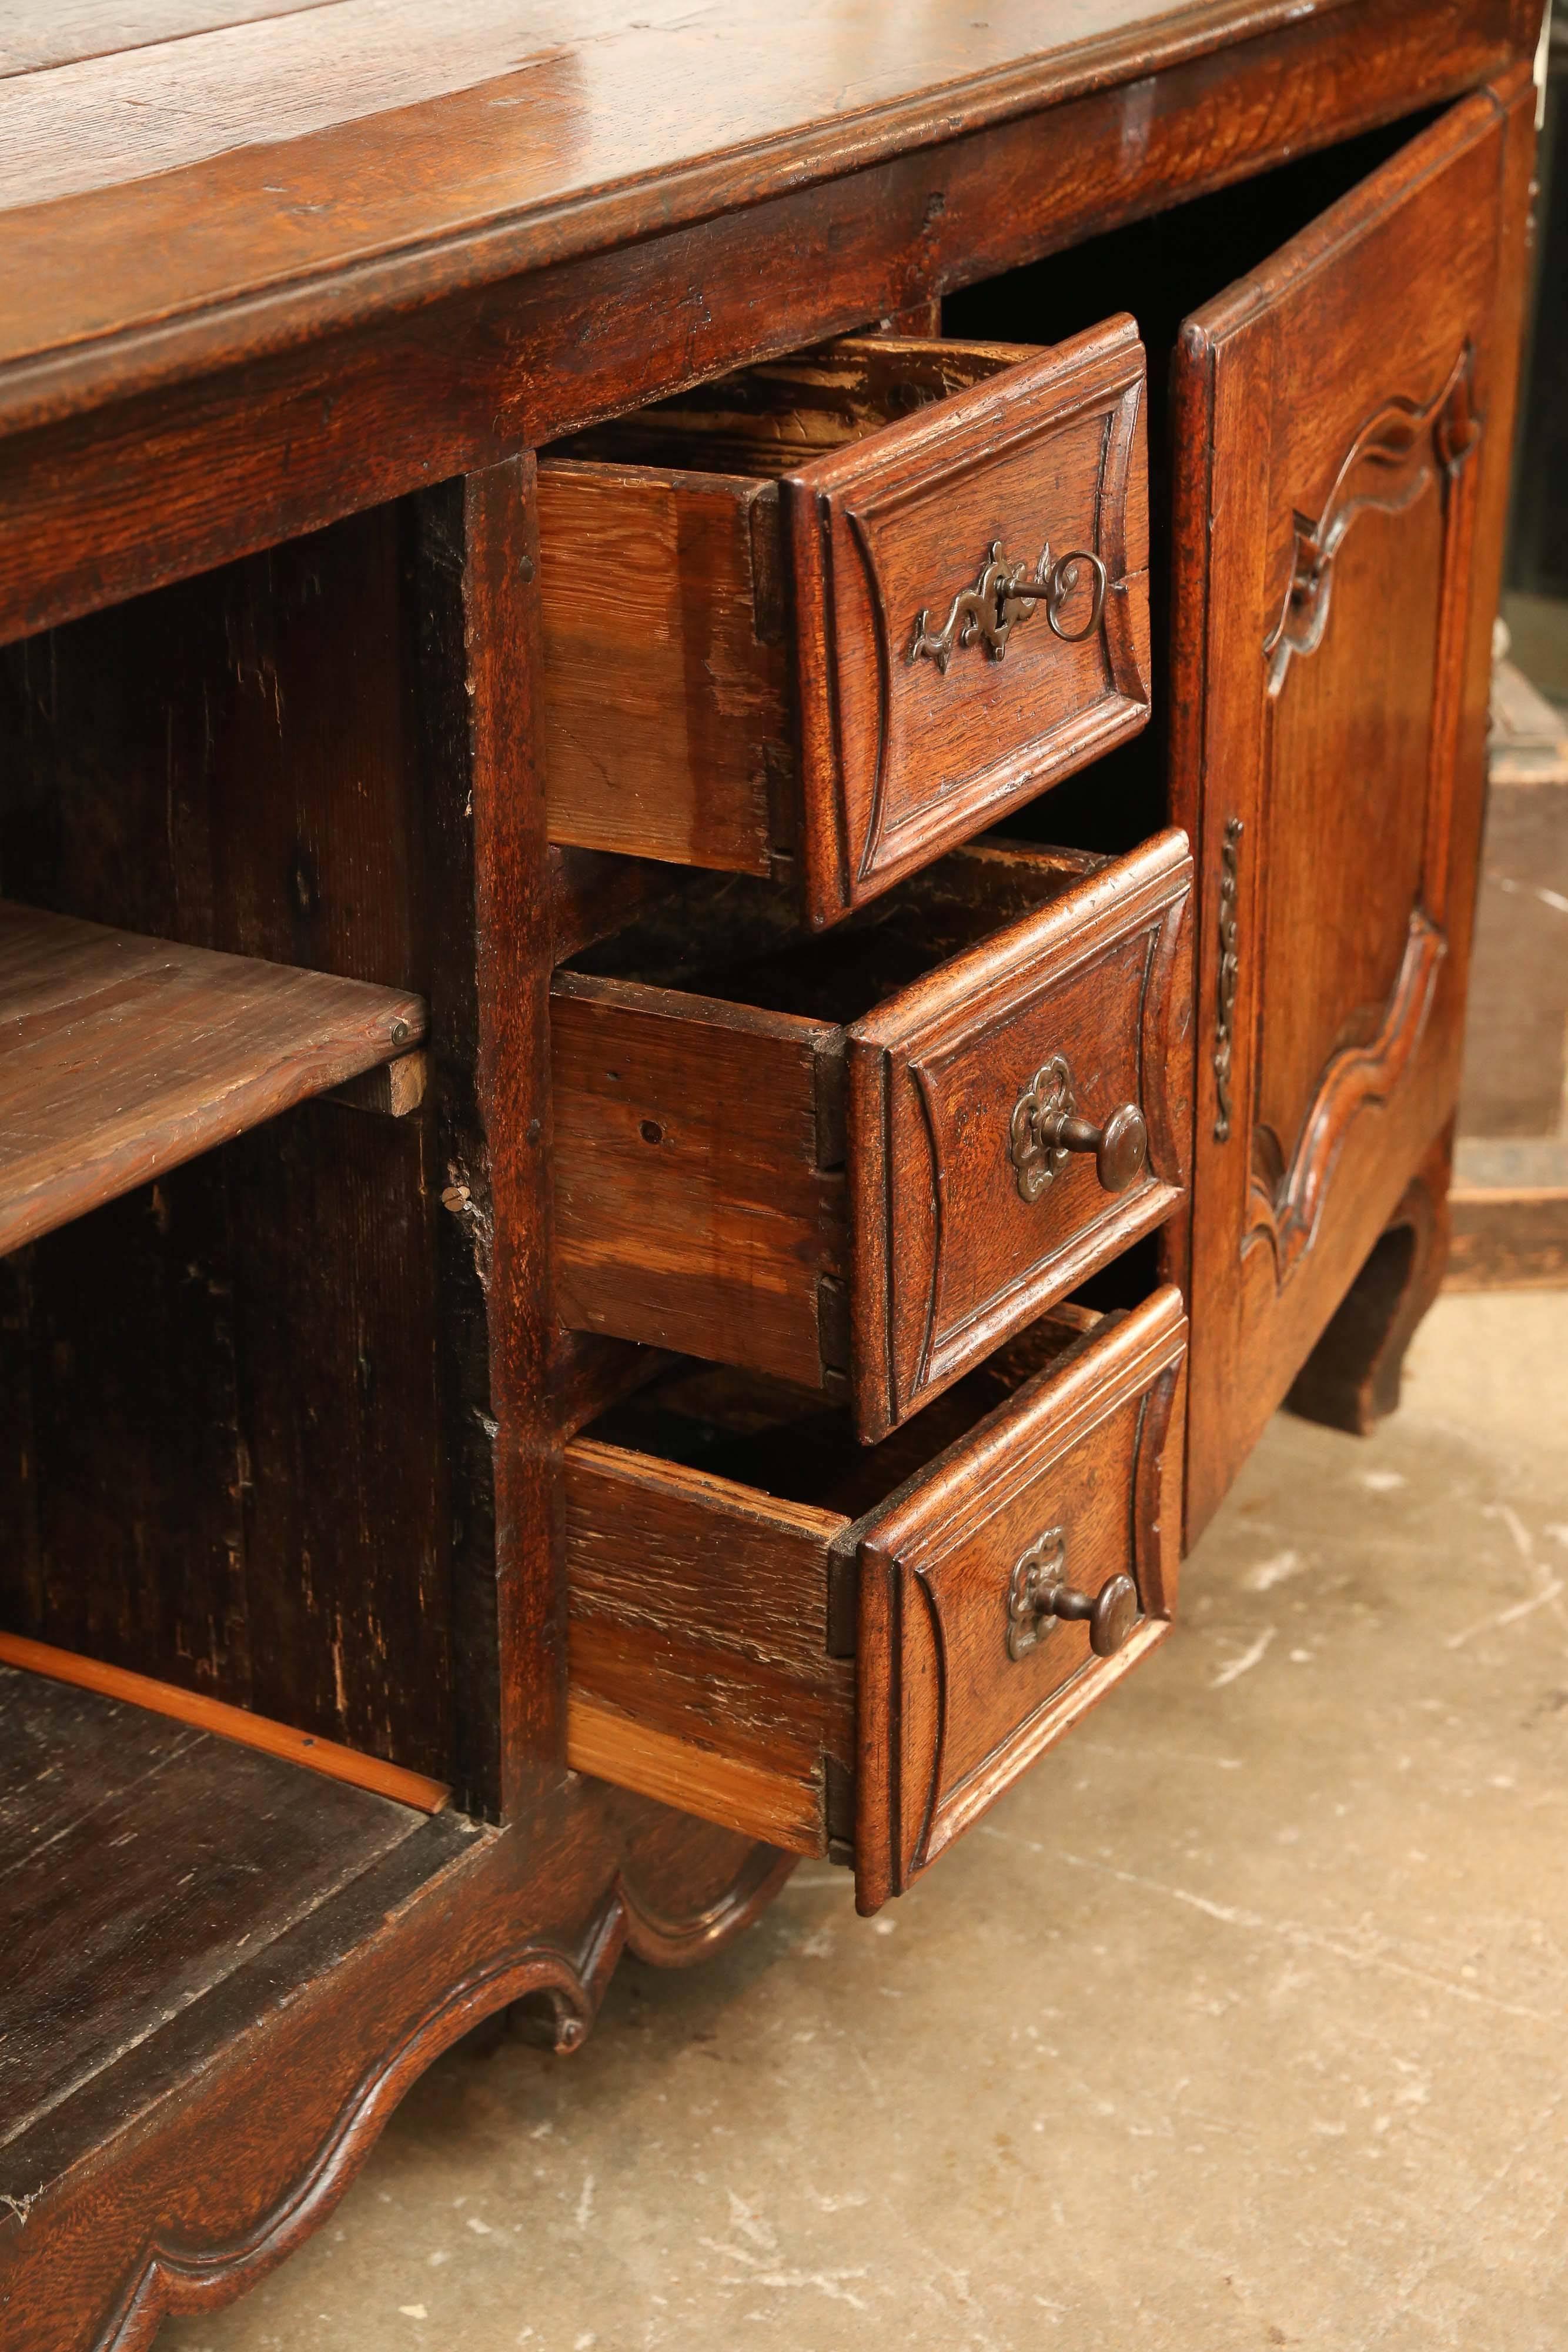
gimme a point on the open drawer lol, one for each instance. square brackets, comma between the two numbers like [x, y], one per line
[836, 614]
[861, 1162]
[853, 1651]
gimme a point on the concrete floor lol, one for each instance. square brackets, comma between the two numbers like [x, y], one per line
[1241, 2024]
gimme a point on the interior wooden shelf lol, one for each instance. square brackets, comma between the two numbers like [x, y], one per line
[236, 1723]
[145, 1867]
[122, 1057]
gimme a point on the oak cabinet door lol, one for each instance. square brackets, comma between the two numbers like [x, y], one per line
[1343, 419]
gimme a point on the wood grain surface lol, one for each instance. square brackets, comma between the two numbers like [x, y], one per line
[698, 1207]
[236, 1723]
[274, 1477]
[477, 625]
[667, 729]
[1361, 553]
[139, 1858]
[37, 33]
[284, 2096]
[699, 1666]
[224, 1469]
[1352, 1378]
[122, 1057]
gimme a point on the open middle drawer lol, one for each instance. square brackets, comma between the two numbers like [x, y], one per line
[861, 1162]
[853, 1651]
[833, 614]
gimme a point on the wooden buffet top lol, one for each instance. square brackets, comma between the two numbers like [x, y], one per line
[202, 181]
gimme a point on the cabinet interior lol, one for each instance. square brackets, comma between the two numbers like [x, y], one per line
[768, 419]
[740, 942]
[226, 1457]
[781, 1439]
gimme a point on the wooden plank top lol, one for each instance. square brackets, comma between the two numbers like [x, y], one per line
[122, 1057]
[185, 183]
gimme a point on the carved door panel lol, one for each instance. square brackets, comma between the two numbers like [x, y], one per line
[1343, 419]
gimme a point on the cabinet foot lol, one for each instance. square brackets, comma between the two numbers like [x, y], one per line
[1351, 1380]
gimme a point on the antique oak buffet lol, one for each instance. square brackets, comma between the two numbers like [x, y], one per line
[734, 750]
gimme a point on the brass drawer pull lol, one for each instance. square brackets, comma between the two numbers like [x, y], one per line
[1002, 599]
[1046, 1127]
[1038, 1595]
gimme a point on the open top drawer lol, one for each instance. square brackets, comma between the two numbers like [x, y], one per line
[861, 1162]
[853, 1650]
[836, 614]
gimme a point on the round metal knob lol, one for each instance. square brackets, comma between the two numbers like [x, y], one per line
[1121, 1146]
[1110, 1615]
[1046, 1127]
[1038, 1594]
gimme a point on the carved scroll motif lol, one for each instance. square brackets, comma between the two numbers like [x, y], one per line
[1035, 1150]
[1387, 467]
[1229, 974]
[180, 2270]
[1035, 1578]
[1288, 1212]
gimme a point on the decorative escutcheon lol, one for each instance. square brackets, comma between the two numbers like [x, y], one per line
[1038, 1597]
[1046, 1127]
[1002, 599]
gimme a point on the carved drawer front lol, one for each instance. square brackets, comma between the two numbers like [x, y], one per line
[861, 1164]
[853, 1651]
[846, 608]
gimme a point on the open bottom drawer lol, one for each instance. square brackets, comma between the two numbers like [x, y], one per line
[852, 1651]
